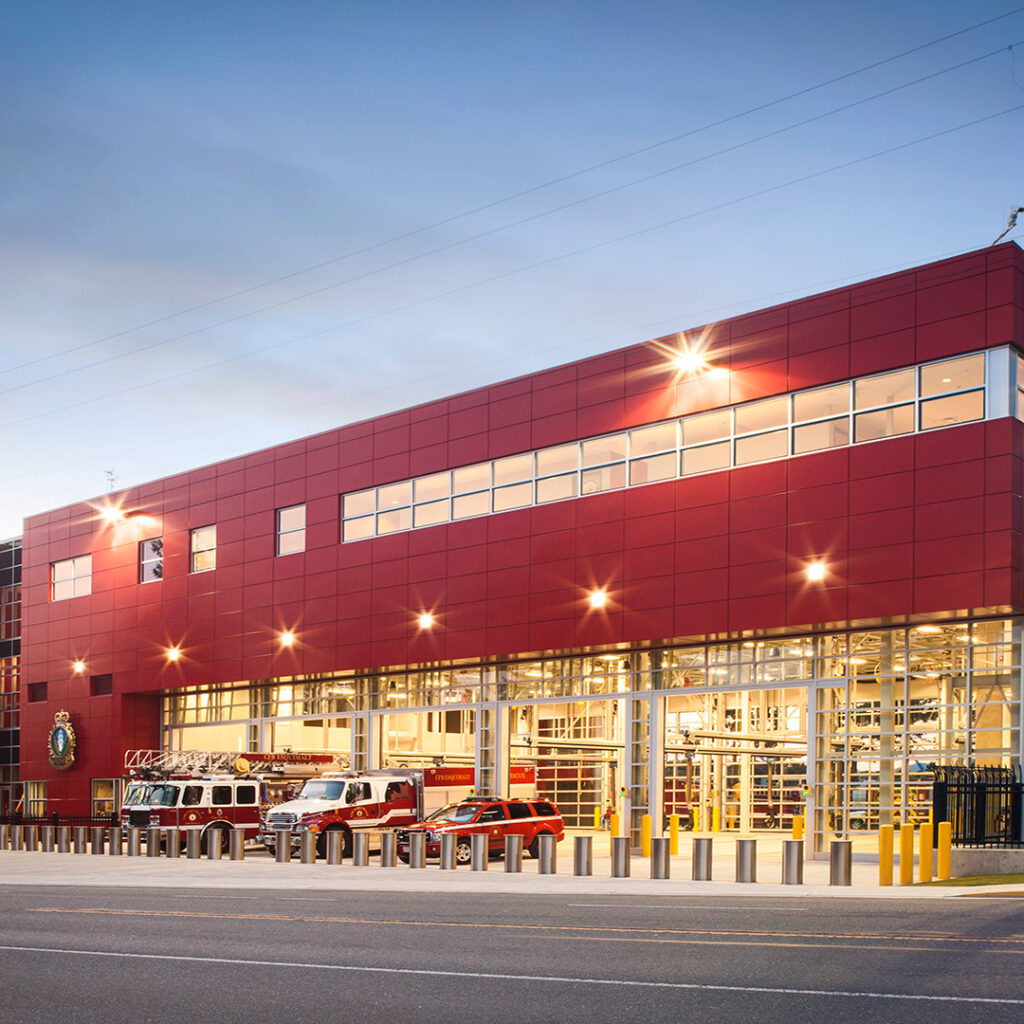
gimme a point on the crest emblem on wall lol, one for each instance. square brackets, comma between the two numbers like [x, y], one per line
[62, 741]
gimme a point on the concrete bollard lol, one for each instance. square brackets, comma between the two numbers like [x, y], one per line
[840, 862]
[236, 844]
[335, 846]
[133, 843]
[547, 854]
[513, 854]
[792, 862]
[115, 842]
[701, 870]
[97, 841]
[620, 857]
[282, 845]
[583, 855]
[447, 851]
[660, 862]
[153, 842]
[360, 849]
[31, 838]
[47, 838]
[307, 847]
[746, 860]
[478, 851]
[193, 844]
[417, 850]
[388, 846]
[172, 842]
[63, 839]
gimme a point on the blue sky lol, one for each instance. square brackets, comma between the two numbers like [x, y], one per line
[154, 160]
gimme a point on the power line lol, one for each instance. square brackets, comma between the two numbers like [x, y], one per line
[490, 232]
[520, 194]
[532, 266]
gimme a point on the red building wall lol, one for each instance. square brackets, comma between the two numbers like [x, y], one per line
[913, 525]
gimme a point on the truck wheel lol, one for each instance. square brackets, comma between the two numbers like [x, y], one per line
[463, 853]
[214, 834]
[534, 848]
[346, 842]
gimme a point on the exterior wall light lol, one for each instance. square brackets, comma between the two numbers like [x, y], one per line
[287, 638]
[689, 361]
[79, 666]
[425, 621]
[598, 598]
[173, 653]
[815, 572]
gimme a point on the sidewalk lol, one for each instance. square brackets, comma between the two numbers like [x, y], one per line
[260, 872]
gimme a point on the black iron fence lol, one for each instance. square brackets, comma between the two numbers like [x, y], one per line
[58, 820]
[983, 805]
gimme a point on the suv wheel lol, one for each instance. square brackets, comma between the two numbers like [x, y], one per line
[534, 848]
[463, 852]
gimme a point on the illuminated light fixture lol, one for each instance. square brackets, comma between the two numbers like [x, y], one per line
[173, 653]
[111, 514]
[689, 361]
[425, 620]
[79, 666]
[598, 599]
[287, 638]
[929, 629]
[815, 572]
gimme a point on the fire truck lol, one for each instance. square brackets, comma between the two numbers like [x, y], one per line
[210, 792]
[374, 800]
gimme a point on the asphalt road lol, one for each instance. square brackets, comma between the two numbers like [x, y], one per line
[175, 956]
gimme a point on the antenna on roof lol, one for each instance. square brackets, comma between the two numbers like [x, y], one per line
[1010, 224]
[112, 475]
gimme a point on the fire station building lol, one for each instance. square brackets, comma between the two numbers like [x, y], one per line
[763, 567]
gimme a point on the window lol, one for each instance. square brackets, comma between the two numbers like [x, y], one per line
[71, 577]
[291, 530]
[428, 514]
[36, 692]
[870, 426]
[555, 488]
[513, 496]
[514, 469]
[953, 375]
[827, 434]
[35, 799]
[431, 488]
[221, 796]
[544, 810]
[774, 412]
[193, 796]
[493, 813]
[204, 549]
[151, 560]
[706, 458]
[709, 426]
[814, 405]
[468, 505]
[650, 440]
[471, 478]
[886, 389]
[761, 447]
[99, 686]
[944, 412]
[245, 795]
[518, 810]
[104, 797]
[657, 467]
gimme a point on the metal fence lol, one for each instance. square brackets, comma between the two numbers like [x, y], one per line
[58, 820]
[983, 805]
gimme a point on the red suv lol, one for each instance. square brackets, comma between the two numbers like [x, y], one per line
[494, 818]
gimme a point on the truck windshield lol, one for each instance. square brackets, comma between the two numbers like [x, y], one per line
[322, 789]
[135, 795]
[455, 812]
[163, 796]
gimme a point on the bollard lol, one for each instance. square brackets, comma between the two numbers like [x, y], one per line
[236, 845]
[885, 836]
[417, 850]
[513, 853]
[193, 844]
[448, 851]
[798, 826]
[840, 862]
[80, 834]
[620, 857]
[282, 845]
[16, 837]
[307, 847]
[924, 857]
[153, 842]
[46, 838]
[335, 846]
[701, 860]
[31, 838]
[792, 862]
[583, 855]
[695, 818]
[645, 835]
[614, 830]
[96, 840]
[660, 864]
[597, 819]
[547, 854]
[388, 846]
[63, 839]
[746, 860]
[172, 842]
[4, 837]
[360, 849]
[716, 819]
[133, 842]
[478, 851]
[673, 835]
[943, 868]
[906, 854]
[115, 842]
[215, 844]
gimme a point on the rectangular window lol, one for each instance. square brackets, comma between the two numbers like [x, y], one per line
[556, 488]
[35, 799]
[358, 529]
[151, 560]
[514, 469]
[393, 496]
[607, 478]
[774, 412]
[945, 412]
[291, 530]
[471, 478]
[657, 467]
[100, 686]
[431, 488]
[662, 437]
[709, 426]
[707, 458]
[105, 797]
[468, 505]
[204, 549]
[362, 503]
[71, 577]
[762, 447]
[953, 375]
[604, 449]
[870, 426]
[885, 389]
[36, 692]
[513, 496]
[816, 405]
[558, 460]
[430, 513]
[392, 522]
[827, 434]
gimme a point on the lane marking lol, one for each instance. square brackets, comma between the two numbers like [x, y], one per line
[722, 933]
[550, 978]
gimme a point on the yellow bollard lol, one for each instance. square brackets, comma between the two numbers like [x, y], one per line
[924, 853]
[673, 835]
[798, 827]
[716, 819]
[695, 818]
[597, 819]
[614, 831]
[944, 866]
[906, 854]
[645, 836]
[885, 837]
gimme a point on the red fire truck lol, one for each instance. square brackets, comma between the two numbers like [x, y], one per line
[374, 800]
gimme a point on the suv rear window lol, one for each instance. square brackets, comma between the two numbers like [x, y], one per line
[544, 810]
[519, 810]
